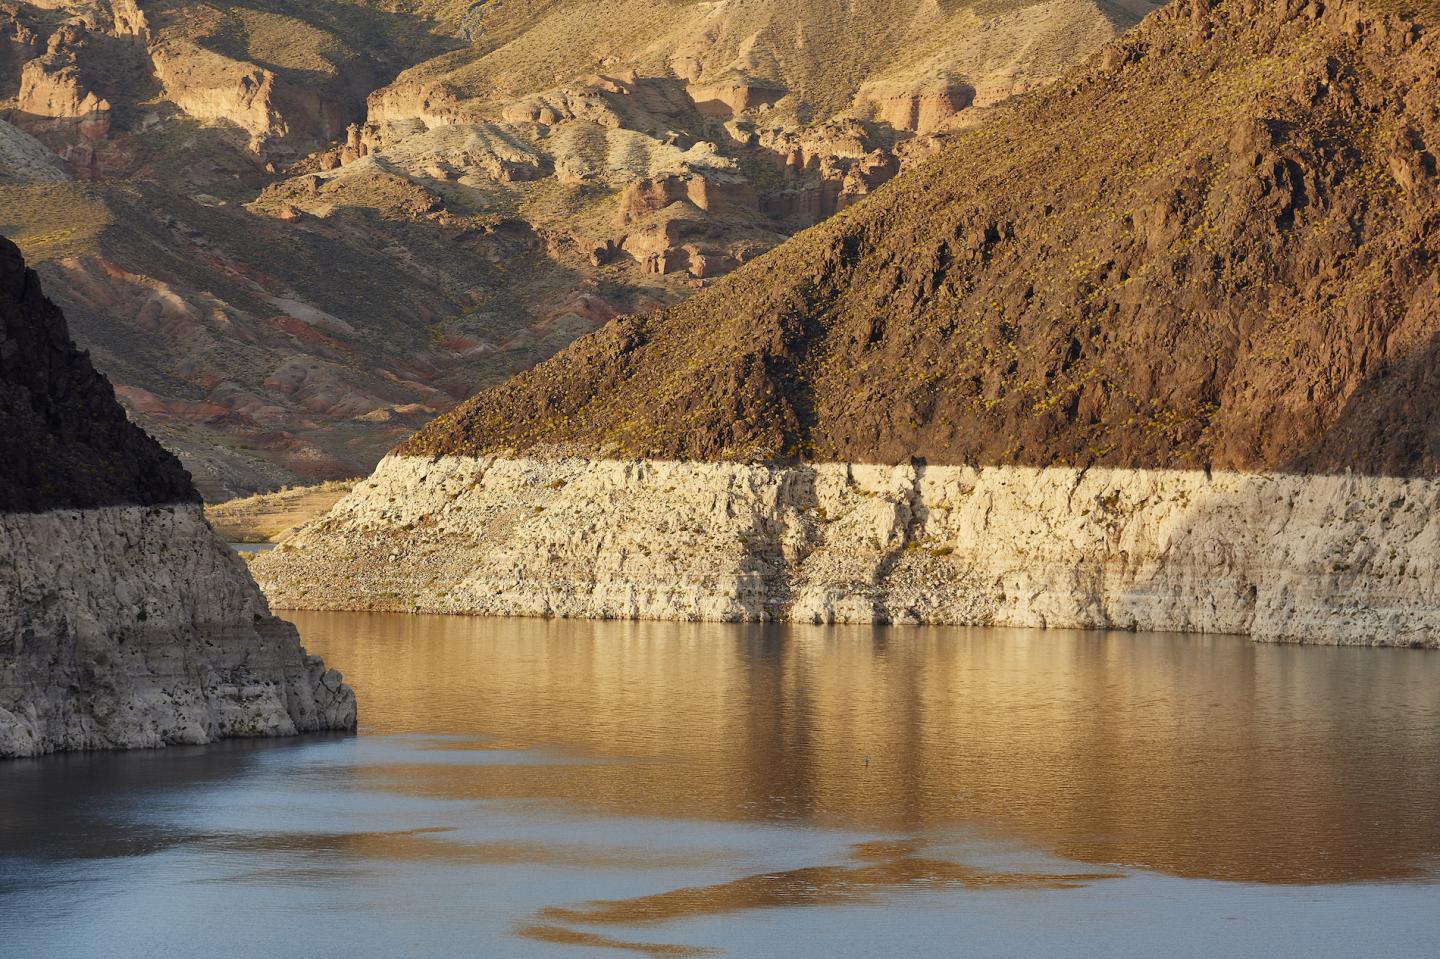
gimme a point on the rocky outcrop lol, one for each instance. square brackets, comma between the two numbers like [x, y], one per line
[644, 197]
[124, 620]
[55, 93]
[726, 99]
[1324, 559]
[281, 116]
[782, 109]
[136, 626]
[924, 110]
[406, 101]
[211, 87]
[1188, 385]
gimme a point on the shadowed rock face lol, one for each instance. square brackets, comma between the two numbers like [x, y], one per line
[1213, 245]
[124, 620]
[65, 442]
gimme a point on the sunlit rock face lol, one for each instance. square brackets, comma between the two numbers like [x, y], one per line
[1326, 559]
[1165, 390]
[124, 620]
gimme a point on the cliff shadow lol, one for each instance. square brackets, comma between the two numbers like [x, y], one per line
[1389, 425]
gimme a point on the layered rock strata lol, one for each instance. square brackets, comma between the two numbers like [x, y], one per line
[1328, 559]
[136, 626]
[124, 620]
[1181, 308]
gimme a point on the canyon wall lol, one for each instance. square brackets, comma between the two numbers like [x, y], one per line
[125, 621]
[1324, 559]
[136, 626]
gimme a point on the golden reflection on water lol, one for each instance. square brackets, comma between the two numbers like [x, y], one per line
[436, 844]
[1198, 757]
[876, 867]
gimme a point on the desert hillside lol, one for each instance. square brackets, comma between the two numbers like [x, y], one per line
[292, 232]
[1153, 350]
[1212, 245]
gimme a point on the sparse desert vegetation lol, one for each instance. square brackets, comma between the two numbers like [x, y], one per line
[269, 517]
[293, 231]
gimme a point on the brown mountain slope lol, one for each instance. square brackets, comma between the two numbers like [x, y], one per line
[1215, 244]
[291, 231]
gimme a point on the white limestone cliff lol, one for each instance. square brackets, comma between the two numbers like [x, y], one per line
[135, 626]
[1325, 559]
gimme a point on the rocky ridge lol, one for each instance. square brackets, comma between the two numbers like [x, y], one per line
[482, 183]
[1189, 386]
[127, 621]
[1238, 271]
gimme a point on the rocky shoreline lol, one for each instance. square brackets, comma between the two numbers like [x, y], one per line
[1287, 558]
[135, 626]
[125, 621]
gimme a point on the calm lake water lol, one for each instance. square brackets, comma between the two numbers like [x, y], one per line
[536, 788]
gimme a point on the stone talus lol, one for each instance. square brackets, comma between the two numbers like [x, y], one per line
[135, 626]
[1326, 559]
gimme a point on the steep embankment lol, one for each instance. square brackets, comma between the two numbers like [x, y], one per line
[1140, 350]
[126, 621]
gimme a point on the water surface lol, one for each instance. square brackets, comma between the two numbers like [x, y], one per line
[541, 788]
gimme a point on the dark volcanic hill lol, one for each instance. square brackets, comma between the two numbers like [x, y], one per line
[1213, 244]
[125, 621]
[64, 441]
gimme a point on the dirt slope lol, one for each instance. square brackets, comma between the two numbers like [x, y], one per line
[292, 232]
[1213, 244]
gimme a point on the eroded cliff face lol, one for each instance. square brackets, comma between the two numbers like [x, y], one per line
[136, 626]
[724, 94]
[124, 620]
[1322, 559]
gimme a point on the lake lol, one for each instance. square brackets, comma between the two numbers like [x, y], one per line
[536, 788]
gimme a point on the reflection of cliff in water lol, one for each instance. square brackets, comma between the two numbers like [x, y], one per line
[87, 805]
[1205, 757]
